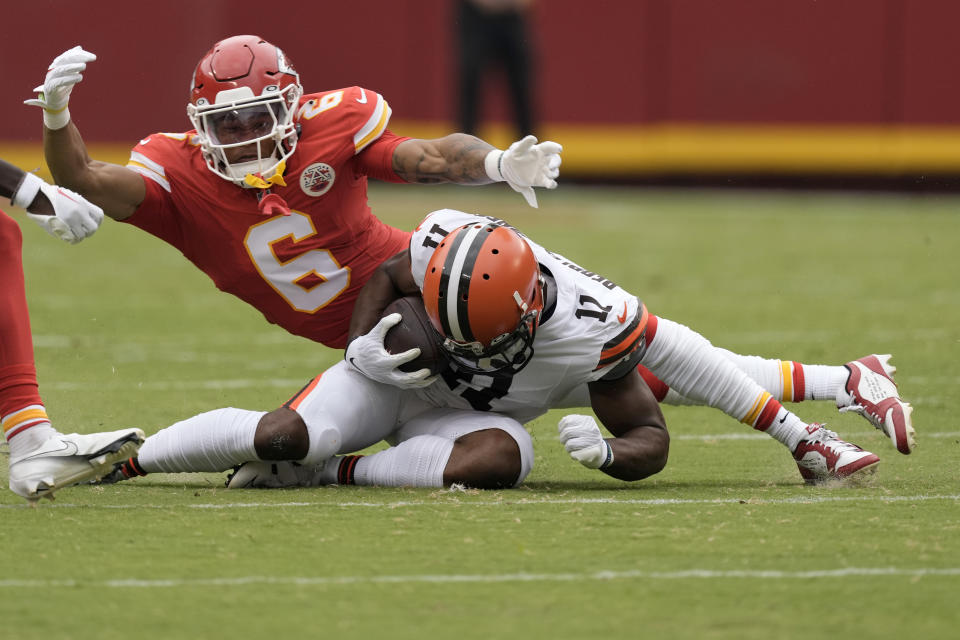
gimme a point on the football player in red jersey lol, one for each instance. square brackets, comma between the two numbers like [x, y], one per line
[42, 460]
[267, 194]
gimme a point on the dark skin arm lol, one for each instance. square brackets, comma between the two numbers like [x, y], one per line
[10, 177]
[118, 190]
[628, 409]
[456, 158]
[390, 281]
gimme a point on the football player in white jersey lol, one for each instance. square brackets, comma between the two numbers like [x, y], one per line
[527, 330]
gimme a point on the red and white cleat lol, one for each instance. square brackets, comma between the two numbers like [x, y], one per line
[822, 456]
[871, 392]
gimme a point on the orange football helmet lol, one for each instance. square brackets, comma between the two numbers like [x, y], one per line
[243, 100]
[483, 292]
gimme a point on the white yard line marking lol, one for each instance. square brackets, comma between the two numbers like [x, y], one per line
[183, 385]
[762, 436]
[695, 574]
[444, 501]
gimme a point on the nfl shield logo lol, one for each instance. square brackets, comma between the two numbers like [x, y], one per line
[317, 179]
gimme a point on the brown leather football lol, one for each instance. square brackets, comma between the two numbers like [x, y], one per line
[415, 330]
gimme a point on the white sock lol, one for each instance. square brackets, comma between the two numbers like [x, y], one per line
[30, 427]
[690, 365]
[212, 441]
[417, 462]
[792, 381]
[694, 368]
[825, 382]
[787, 428]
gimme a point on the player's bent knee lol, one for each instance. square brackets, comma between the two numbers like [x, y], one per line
[282, 435]
[487, 459]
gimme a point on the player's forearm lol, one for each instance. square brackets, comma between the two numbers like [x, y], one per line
[116, 189]
[457, 158]
[390, 281]
[10, 177]
[66, 155]
[639, 454]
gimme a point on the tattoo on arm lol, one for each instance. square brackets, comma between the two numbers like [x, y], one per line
[456, 158]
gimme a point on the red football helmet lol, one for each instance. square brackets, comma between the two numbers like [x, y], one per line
[484, 293]
[243, 100]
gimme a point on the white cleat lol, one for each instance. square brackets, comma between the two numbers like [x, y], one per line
[275, 475]
[70, 459]
[871, 392]
[822, 456]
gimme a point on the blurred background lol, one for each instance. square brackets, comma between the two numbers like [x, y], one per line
[847, 93]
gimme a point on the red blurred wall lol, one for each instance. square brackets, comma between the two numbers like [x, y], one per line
[633, 62]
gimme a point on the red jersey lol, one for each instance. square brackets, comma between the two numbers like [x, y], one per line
[303, 271]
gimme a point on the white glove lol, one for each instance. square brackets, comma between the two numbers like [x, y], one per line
[581, 438]
[73, 217]
[524, 165]
[64, 72]
[367, 355]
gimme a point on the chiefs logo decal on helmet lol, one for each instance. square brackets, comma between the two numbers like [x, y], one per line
[243, 99]
[483, 292]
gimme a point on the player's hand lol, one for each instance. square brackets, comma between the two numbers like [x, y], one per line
[73, 219]
[581, 438]
[64, 72]
[367, 355]
[524, 165]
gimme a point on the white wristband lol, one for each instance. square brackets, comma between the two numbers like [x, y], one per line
[492, 165]
[54, 120]
[608, 460]
[26, 191]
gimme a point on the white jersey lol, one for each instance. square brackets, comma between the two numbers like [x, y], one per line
[594, 330]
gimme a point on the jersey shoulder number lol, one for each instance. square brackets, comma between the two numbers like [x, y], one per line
[360, 113]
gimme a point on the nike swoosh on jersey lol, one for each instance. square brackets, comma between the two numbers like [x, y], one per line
[623, 316]
[363, 97]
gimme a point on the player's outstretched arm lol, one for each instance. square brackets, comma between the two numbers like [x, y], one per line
[629, 411]
[116, 189]
[465, 159]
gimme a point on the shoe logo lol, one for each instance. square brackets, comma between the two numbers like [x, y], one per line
[623, 316]
[784, 419]
[68, 449]
[363, 97]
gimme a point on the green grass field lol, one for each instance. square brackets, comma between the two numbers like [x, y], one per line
[725, 543]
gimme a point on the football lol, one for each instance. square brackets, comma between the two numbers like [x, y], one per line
[415, 330]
